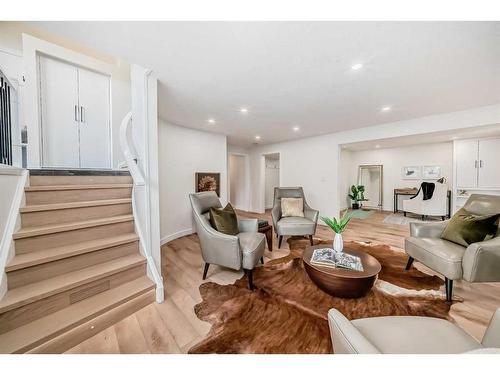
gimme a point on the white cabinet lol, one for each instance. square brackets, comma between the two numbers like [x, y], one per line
[489, 158]
[75, 116]
[476, 164]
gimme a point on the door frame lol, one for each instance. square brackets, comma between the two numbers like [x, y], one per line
[246, 157]
[262, 198]
[32, 47]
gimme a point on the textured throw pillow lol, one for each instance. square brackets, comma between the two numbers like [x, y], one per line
[465, 228]
[292, 207]
[224, 221]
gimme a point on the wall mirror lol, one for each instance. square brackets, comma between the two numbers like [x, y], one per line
[370, 176]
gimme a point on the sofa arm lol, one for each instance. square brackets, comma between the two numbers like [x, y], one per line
[346, 338]
[248, 225]
[428, 230]
[481, 261]
[276, 214]
[311, 213]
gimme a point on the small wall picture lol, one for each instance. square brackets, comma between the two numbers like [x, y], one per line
[207, 182]
[431, 172]
[412, 173]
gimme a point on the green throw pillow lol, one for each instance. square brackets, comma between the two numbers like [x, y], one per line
[465, 228]
[224, 221]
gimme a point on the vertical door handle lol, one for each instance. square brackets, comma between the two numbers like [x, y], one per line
[76, 113]
[475, 163]
[82, 114]
[480, 163]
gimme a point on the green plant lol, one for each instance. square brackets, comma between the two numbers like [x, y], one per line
[338, 226]
[357, 193]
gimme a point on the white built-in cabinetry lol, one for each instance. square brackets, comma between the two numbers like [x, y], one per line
[75, 116]
[476, 168]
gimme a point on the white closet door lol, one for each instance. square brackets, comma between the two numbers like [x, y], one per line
[95, 150]
[59, 103]
[489, 156]
[466, 163]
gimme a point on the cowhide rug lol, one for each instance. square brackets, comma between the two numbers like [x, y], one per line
[287, 313]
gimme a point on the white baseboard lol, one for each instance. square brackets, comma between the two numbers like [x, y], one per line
[174, 236]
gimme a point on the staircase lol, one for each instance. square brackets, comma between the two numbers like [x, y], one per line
[77, 268]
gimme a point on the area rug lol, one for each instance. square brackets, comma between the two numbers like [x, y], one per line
[287, 313]
[361, 214]
[400, 219]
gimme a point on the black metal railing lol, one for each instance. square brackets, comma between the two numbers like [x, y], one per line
[5, 121]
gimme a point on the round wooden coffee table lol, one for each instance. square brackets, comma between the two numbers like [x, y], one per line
[341, 282]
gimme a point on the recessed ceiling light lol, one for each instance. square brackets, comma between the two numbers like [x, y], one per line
[356, 66]
[296, 128]
[377, 146]
[244, 110]
[211, 121]
[386, 108]
[257, 137]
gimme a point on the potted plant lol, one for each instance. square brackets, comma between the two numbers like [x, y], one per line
[338, 226]
[357, 195]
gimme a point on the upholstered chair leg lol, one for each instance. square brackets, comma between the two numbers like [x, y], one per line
[311, 240]
[442, 218]
[279, 241]
[262, 260]
[404, 213]
[205, 270]
[409, 263]
[423, 217]
[249, 278]
[448, 284]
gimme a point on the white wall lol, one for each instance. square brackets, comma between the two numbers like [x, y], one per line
[272, 179]
[182, 153]
[393, 160]
[238, 184]
[314, 163]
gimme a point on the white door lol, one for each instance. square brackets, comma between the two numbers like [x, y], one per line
[59, 114]
[94, 98]
[489, 155]
[466, 163]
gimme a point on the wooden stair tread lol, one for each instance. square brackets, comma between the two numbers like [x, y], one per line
[35, 333]
[62, 206]
[56, 228]
[34, 258]
[29, 293]
[76, 187]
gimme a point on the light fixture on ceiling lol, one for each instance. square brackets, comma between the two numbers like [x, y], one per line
[296, 128]
[244, 110]
[211, 121]
[377, 146]
[357, 66]
[257, 137]
[386, 108]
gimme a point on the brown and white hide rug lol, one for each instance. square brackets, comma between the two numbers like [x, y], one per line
[287, 312]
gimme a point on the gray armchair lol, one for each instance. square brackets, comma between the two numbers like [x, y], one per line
[293, 226]
[408, 335]
[241, 251]
[479, 262]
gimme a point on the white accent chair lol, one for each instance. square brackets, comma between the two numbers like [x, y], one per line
[408, 335]
[437, 205]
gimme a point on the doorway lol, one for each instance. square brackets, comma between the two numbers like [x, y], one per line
[271, 178]
[239, 178]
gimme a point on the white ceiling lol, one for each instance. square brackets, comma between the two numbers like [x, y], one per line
[436, 137]
[298, 73]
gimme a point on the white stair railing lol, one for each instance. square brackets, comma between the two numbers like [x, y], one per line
[142, 196]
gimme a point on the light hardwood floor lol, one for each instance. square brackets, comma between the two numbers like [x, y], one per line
[172, 327]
